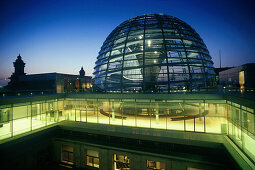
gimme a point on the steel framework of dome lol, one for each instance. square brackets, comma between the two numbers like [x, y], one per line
[154, 53]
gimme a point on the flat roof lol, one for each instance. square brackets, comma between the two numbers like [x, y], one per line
[247, 101]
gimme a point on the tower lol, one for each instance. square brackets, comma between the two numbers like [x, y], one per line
[19, 66]
[82, 72]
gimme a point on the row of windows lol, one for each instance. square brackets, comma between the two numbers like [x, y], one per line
[151, 58]
[132, 29]
[151, 45]
[171, 38]
[119, 162]
[171, 56]
[181, 67]
[132, 66]
[92, 157]
[152, 33]
[173, 66]
[157, 72]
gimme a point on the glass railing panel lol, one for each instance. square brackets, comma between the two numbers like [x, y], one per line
[83, 110]
[200, 124]
[21, 119]
[158, 114]
[189, 122]
[215, 119]
[129, 111]
[115, 112]
[143, 116]
[249, 122]
[143, 121]
[91, 114]
[21, 125]
[84, 115]
[191, 113]
[173, 123]
[77, 115]
[158, 121]
[5, 122]
[175, 118]
[60, 110]
[38, 121]
[103, 112]
[241, 128]
[248, 145]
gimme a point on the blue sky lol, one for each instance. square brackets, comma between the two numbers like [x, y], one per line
[63, 35]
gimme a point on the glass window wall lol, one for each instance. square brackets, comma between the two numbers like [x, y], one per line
[206, 116]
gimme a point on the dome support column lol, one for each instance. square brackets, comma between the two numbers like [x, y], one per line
[123, 58]
[144, 28]
[107, 67]
[164, 42]
[186, 55]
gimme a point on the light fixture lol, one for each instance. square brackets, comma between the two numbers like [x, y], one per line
[149, 43]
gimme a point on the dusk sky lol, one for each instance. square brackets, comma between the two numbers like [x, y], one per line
[63, 35]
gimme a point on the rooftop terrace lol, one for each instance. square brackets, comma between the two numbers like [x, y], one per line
[181, 116]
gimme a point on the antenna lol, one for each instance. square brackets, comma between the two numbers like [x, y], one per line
[220, 57]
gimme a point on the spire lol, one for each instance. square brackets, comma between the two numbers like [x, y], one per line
[82, 72]
[19, 57]
[19, 66]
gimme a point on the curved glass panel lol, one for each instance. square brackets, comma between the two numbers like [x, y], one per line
[154, 53]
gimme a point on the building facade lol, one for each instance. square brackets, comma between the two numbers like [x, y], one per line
[47, 82]
[85, 131]
[237, 78]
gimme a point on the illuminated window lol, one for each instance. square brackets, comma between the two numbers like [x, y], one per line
[190, 168]
[67, 154]
[4, 116]
[155, 165]
[92, 158]
[121, 162]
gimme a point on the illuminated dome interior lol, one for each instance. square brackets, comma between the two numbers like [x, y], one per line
[154, 53]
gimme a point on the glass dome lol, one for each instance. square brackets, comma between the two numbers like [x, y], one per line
[154, 53]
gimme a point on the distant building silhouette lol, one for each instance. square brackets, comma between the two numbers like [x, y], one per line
[47, 82]
[19, 66]
[82, 72]
[217, 72]
[237, 76]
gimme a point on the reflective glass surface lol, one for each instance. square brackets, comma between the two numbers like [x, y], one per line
[154, 53]
[192, 115]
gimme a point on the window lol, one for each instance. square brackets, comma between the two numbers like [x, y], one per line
[190, 168]
[155, 165]
[67, 154]
[92, 158]
[121, 162]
